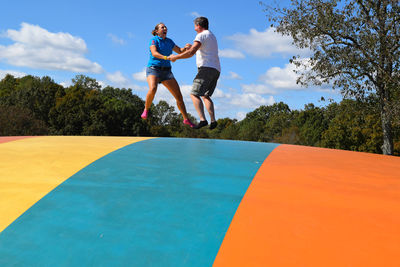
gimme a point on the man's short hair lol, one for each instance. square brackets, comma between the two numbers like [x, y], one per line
[202, 22]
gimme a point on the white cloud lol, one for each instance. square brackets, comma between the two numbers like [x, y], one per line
[116, 39]
[241, 115]
[281, 78]
[195, 14]
[117, 78]
[66, 84]
[218, 93]
[38, 48]
[102, 84]
[274, 80]
[251, 101]
[257, 89]
[16, 74]
[286, 78]
[264, 44]
[140, 76]
[233, 76]
[230, 53]
[186, 89]
[139, 88]
[277, 79]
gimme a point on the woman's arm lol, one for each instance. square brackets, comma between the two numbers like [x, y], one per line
[179, 50]
[156, 54]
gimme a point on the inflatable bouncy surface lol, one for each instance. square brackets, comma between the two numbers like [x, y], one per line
[133, 201]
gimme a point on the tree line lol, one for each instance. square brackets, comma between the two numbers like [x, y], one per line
[39, 106]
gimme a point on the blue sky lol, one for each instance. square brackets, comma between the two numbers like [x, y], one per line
[108, 41]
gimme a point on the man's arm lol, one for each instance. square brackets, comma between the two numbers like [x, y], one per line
[179, 50]
[188, 53]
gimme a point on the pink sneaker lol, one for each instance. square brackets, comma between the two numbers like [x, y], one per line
[144, 114]
[188, 122]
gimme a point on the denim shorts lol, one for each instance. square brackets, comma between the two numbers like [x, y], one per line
[162, 73]
[205, 81]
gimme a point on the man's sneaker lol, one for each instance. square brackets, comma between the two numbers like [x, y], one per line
[213, 124]
[201, 124]
[145, 114]
[188, 122]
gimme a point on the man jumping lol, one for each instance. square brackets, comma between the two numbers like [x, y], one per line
[205, 47]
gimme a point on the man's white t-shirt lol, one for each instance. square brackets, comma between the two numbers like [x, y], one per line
[207, 55]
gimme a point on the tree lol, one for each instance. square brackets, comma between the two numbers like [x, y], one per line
[80, 111]
[230, 132]
[265, 123]
[353, 125]
[311, 123]
[122, 111]
[37, 94]
[279, 120]
[355, 46]
[164, 114]
[7, 85]
[16, 121]
[223, 124]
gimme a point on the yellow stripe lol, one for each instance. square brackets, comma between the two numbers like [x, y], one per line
[31, 168]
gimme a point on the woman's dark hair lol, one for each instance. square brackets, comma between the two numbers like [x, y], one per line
[154, 32]
[202, 22]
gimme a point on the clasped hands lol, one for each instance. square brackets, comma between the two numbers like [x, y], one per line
[173, 58]
[187, 47]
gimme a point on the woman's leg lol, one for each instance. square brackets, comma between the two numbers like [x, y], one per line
[173, 86]
[152, 80]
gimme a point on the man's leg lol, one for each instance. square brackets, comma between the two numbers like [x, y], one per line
[212, 79]
[198, 104]
[209, 106]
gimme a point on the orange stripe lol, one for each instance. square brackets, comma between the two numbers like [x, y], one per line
[5, 139]
[318, 207]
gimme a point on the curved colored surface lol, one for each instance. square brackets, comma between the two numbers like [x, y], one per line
[126, 201]
[32, 167]
[318, 207]
[6, 139]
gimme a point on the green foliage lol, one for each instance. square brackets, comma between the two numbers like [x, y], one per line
[79, 111]
[224, 130]
[17, 121]
[265, 123]
[35, 94]
[310, 124]
[87, 110]
[122, 109]
[7, 85]
[38, 106]
[354, 126]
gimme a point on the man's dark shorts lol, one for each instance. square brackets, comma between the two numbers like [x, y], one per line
[205, 81]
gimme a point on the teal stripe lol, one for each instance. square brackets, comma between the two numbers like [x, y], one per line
[159, 202]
